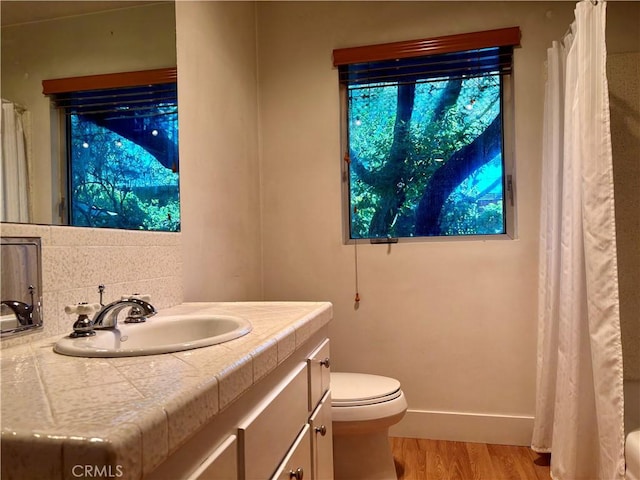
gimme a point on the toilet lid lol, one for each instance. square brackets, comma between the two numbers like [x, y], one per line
[348, 389]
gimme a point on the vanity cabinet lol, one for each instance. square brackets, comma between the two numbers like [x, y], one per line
[292, 422]
[250, 409]
[279, 429]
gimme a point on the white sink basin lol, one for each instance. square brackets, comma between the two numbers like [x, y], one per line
[156, 335]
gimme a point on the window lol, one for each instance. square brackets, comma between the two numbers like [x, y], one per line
[121, 151]
[426, 136]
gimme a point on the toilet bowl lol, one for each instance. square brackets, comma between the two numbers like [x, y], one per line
[363, 407]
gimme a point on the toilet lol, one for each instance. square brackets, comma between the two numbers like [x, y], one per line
[363, 407]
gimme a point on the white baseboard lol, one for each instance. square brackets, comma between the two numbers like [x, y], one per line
[465, 427]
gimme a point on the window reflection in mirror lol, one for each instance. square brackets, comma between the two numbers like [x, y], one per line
[115, 181]
[121, 150]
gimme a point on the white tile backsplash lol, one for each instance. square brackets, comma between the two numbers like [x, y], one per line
[76, 260]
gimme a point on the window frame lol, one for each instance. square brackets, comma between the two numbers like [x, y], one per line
[433, 46]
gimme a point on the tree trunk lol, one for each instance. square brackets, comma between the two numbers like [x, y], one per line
[452, 173]
[448, 99]
[390, 178]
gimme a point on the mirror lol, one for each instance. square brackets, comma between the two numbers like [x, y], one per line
[59, 39]
[21, 285]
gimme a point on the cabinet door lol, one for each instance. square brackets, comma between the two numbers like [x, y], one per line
[222, 464]
[322, 440]
[319, 373]
[266, 434]
[297, 463]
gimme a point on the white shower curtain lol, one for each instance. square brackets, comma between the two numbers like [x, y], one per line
[15, 177]
[579, 405]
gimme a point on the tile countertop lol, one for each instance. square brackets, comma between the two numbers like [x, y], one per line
[60, 411]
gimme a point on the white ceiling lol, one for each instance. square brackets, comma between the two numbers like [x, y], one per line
[23, 11]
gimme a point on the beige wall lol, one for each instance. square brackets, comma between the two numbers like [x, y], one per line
[623, 72]
[454, 321]
[129, 39]
[219, 176]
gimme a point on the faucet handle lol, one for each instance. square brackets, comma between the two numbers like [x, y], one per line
[144, 298]
[82, 308]
[83, 326]
[136, 313]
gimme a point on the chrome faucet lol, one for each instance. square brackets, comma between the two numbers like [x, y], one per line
[107, 316]
[22, 311]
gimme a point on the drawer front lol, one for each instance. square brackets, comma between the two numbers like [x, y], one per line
[297, 464]
[319, 364]
[222, 464]
[322, 440]
[267, 433]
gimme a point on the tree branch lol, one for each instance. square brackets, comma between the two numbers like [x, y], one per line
[362, 172]
[452, 173]
[164, 149]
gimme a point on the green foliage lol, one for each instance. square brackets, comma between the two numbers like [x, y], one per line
[116, 183]
[436, 131]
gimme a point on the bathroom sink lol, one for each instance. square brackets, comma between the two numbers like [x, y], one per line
[156, 335]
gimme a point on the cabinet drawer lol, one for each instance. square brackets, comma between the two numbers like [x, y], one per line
[222, 464]
[267, 433]
[319, 373]
[297, 464]
[322, 440]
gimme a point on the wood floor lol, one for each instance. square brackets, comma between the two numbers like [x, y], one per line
[419, 459]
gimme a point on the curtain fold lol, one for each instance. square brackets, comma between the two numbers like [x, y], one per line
[15, 176]
[579, 404]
